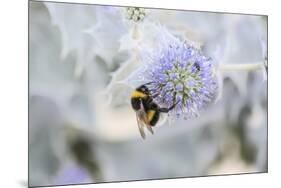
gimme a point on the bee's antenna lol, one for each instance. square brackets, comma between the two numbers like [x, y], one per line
[149, 83]
[155, 95]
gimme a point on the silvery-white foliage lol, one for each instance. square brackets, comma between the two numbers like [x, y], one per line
[68, 19]
[106, 44]
[49, 73]
[51, 157]
[83, 65]
[55, 97]
[45, 140]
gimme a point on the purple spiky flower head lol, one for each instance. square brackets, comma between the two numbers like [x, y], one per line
[181, 74]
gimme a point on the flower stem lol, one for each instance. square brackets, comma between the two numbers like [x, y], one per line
[242, 67]
[135, 32]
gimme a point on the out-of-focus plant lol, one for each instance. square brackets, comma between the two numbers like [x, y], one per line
[87, 59]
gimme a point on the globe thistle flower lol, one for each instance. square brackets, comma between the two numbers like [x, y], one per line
[136, 14]
[180, 74]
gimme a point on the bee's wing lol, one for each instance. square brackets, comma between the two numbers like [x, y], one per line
[145, 121]
[140, 126]
[149, 128]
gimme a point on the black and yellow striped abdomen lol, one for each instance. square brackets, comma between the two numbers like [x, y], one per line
[153, 117]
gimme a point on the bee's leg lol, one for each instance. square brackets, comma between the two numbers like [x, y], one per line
[166, 110]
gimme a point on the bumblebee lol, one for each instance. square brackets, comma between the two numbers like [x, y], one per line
[147, 111]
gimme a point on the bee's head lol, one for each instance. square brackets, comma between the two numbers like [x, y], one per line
[143, 89]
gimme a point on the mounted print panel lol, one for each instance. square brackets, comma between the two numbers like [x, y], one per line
[130, 93]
